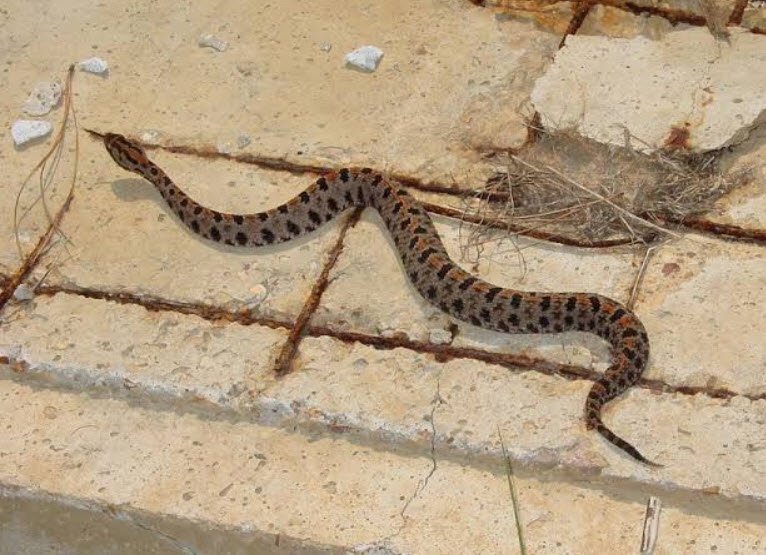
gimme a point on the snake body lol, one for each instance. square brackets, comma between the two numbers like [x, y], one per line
[436, 277]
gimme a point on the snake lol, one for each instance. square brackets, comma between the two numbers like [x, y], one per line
[436, 277]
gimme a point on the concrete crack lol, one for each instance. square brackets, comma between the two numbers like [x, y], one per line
[423, 483]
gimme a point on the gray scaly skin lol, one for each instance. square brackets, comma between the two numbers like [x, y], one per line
[436, 277]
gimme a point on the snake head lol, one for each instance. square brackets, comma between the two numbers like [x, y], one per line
[127, 154]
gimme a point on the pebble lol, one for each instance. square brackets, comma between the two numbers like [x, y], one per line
[440, 336]
[23, 293]
[43, 98]
[365, 58]
[26, 130]
[150, 135]
[243, 140]
[213, 42]
[94, 65]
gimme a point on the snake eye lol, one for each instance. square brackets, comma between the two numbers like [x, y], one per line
[127, 154]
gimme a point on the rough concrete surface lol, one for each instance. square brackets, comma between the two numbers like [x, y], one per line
[137, 372]
[687, 90]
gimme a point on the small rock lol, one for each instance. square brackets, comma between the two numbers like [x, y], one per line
[365, 58]
[23, 293]
[325, 46]
[243, 140]
[224, 147]
[440, 336]
[228, 146]
[94, 65]
[150, 136]
[213, 42]
[26, 130]
[43, 98]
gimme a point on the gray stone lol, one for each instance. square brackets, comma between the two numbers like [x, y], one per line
[24, 131]
[95, 65]
[365, 58]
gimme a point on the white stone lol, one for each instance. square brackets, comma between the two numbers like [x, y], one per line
[227, 146]
[706, 93]
[440, 336]
[224, 147]
[24, 293]
[94, 65]
[26, 130]
[365, 58]
[150, 135]
[44, 97]
[213, 42]
[243, 140]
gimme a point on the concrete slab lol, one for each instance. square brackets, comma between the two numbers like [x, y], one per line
[34, 50]
[205, 486]
[402, 396]
[687, 91]
[171, 433]
[439, 57]
[391, 399]
[180, 360]
[702, 301]
[263, 482]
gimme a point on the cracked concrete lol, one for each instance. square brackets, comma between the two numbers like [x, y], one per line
[687, 91]
[144, 413]
[423, 483]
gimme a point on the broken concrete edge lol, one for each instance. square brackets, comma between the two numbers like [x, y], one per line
[703, 119]
[673, 16]
[420, 441]
[161, 525]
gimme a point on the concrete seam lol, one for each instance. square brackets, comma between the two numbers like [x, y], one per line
[441, 353]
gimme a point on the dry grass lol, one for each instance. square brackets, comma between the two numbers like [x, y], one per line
[572, 186]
